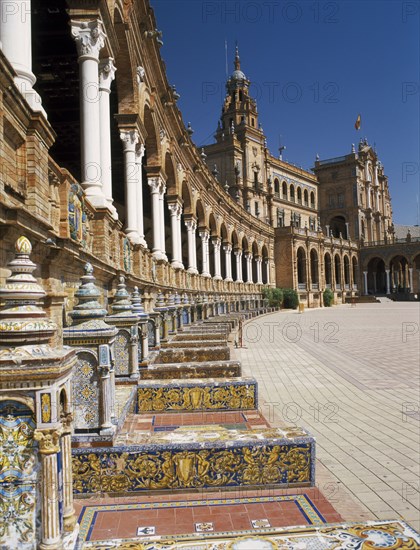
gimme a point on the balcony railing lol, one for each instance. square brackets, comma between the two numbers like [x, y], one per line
[301, 286]
[315, 286]
[338, 286]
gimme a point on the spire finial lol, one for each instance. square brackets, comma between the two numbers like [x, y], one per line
[237, 58]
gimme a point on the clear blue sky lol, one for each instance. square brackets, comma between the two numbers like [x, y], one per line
[313, 66]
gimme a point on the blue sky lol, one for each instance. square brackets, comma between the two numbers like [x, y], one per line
[313, 66]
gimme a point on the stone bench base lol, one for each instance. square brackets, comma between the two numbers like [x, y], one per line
[184, 355]
[208, 369]
[211, 394]
[198, 457]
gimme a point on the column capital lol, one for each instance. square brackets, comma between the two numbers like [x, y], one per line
[175, 207]
[67, 421]
[107, 71]
[89, 37]
[49, 440]
[238, 252]
[154, 183]
[227, 248]
[216, 241]
[190, 224]
[204, 235]
[140, 150]
[248, 255]
[130, 138]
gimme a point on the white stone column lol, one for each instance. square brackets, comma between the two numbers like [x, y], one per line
[106, 76]
[248, 257]
[410, 271]
[204, 235]
[347, 231]
[228, 262]
[365, 274]
[175, 210]
[16, 44]
[327, 228]
[267, 263]
[162, 192]
[238, 254]
[217, 263]
[388, 281]
[155, 185]
[191, 226]
[90, 39]
[139, 194]
[130, 139]
[144, 331]
[259, 271]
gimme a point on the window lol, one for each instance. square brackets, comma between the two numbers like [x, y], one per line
[340, 200]
[252, 122]
[256, 181]
[277, 187]
[284, 189]
[312, 199]
[331, 201]
[257, 209]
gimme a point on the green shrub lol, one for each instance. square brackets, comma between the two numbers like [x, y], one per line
[290, 298]
[274, 296]
[328, 297]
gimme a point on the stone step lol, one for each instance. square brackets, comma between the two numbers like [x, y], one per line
[197, 457]
[198, 355]
[196, 342]
[188, 335]
[208, 369]
[210, 394]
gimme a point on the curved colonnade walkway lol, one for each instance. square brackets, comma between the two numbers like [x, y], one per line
[350, 375]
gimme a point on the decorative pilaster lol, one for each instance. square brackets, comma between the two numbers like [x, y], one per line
[140, 150]
[175, 209]
[130, 139]
[238, 254]
[155, 190]
[107, 71]
[191, 226]
[49, 446]
[228, 261]
[217, 243]
[90, 39]
[204, 235]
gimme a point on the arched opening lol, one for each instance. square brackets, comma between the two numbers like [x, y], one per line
[245, 253]
[416, 275]
[355, 272]
[292, 192]
[235, 248]
[225, 242]
[255, 258]
[400, 277]
[277, 187]
[213, 237]
[376, 276]
[328, 270]
[301, 268]
[338, 227]
[314, 269]
[265, 266]
[150, 161]
[186, 210]
[346, 272]
[337, 271]
[305, 198]
[171, 191]
[312, 199]
[284, 189]
[201, 223]
[299, 195]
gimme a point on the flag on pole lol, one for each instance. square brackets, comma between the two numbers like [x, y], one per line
[358, 122]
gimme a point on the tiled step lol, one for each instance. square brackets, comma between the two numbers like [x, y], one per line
[211, 394]
[207, 369]
[188, 335]
[194, 342]
[198, 457]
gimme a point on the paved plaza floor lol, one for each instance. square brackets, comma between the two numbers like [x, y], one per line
[350, 375]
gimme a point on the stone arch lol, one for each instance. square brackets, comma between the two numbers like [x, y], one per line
[284, 190]
[328, 270]
[124, 77]
[225, 241]
[255, 257]
[305, 197]
[152, 143]
[346, 269]
[213, 237]
[301, 267]
[312, 199]
[376, 276]
[276, 186]
[245, 251]
[187, 210]
[416, 274]
[355, 271]
[292, 192]
[299, 195]
[202, 225]
[235, 247]
[400, 280]
[337, 271]
[314, 266]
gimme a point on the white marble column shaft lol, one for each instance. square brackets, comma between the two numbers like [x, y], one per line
[191, 226]
[228, 261]
[204, 235]
[130, 139]
[140, 150]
